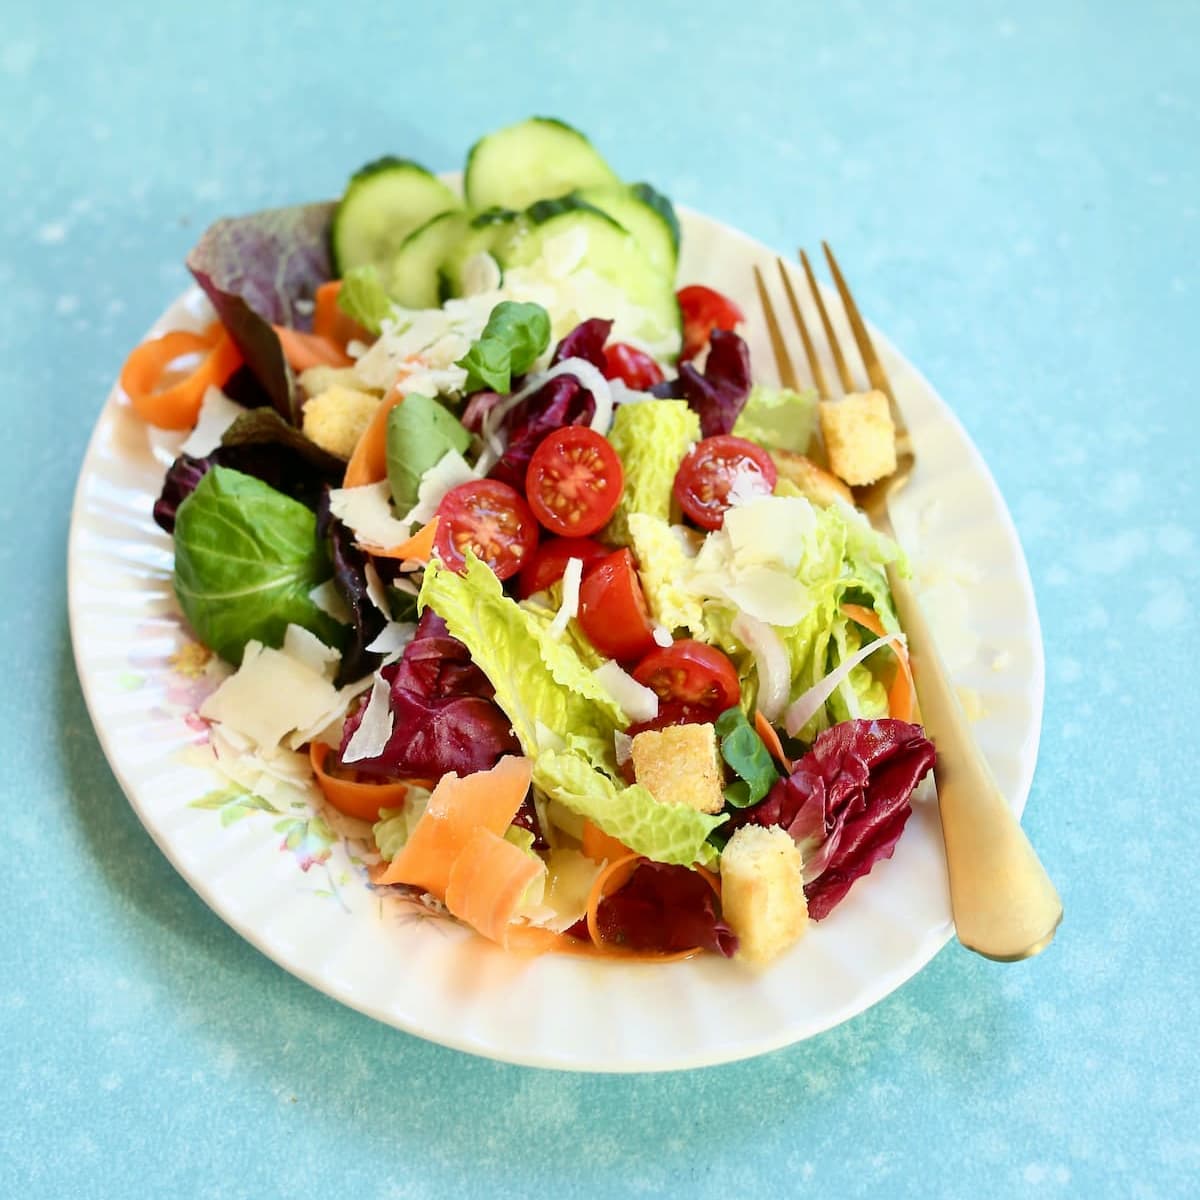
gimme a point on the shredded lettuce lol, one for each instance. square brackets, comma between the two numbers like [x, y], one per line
[650, 438]
[778, 418]
[543, 686]
[667, 833]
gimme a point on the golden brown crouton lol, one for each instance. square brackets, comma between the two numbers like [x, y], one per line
[762, 891]
[860, 438]
[679, 765]
[814, 483]
[335, 419]
[320, 379]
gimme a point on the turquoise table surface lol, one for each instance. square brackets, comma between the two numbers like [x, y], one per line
[1015, 191]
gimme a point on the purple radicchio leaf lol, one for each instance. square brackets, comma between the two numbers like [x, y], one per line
[561, 401]
[262, 270]
[719, 394]
[585, 341]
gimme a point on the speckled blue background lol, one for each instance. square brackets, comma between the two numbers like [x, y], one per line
[1015, 192]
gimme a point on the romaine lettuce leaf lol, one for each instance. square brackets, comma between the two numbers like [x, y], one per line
[650, 438]
[542, 685]
[668, 833]
[778, 418]
[663, 566]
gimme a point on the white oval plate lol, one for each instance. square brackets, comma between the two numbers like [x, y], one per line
[293, 888]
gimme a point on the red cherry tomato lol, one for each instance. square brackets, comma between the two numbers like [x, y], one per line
[704, 310]
[490, 519]
[691, 674]
[671, 712]
[710, 470]
[574, 481]
[612, 608]
[633, 367]
[549, 561]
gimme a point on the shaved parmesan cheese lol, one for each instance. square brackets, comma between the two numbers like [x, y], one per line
[662, 636]
[367, 512]
[748, 484]
[271, 694]
[569, 879]
[572, 577]
[330, 601]
[305, 647]
[638, 703]
[769, 594]
[394, 636]
[770, 529]
[448, 472]
[376, 592]
[217, 413]
[375, 727]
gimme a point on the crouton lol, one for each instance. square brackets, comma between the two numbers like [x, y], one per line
[814, 483]
[335, 419]
[762, 891]
[320, 379]
[860, 438]
[679, 765]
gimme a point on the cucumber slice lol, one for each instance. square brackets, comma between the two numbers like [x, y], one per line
[533, 160]
[485, 232]
[383, 203]
[413, 279]
[611, 252]
[647, 214]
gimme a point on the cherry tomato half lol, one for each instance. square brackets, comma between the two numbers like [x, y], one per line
[548, 562]
[612, 608]
[691, 674]
[490, 519]
[711, 469]
[671, 712]
[574, 481]
[704, 310]
[633, 367]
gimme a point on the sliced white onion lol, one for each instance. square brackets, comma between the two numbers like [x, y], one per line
[623, 745]
[771, 658]
[638, 703]
[587, 375]
[801, 711]
[572, 577]
[375, 728]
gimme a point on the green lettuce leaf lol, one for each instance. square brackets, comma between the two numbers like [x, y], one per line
[362, 297]
[667, 833]
[650, 438]
[395, 825]
[420, 432]
[663, 566]
[535, 893]
[861, 694]
[514, 337]
[778, 418]
[246, 559]
[542, 685]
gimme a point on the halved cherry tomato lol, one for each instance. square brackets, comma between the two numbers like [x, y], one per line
[671, 712]
[574, 481]
[632, 366]
[704, 310]
[691, 674]
[612, 608]
[548, 562]
[711, 469]
[490, 519]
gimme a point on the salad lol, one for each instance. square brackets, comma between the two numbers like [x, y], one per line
[492, 533]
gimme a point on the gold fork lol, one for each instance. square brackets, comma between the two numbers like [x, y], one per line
[1004, 905]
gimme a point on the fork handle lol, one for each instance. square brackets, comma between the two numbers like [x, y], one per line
[1004, 905]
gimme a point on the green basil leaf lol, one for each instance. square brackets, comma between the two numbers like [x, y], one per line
[747, 757]
[419, 432]
[362, 298]
[515, 335]
[246, 559]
